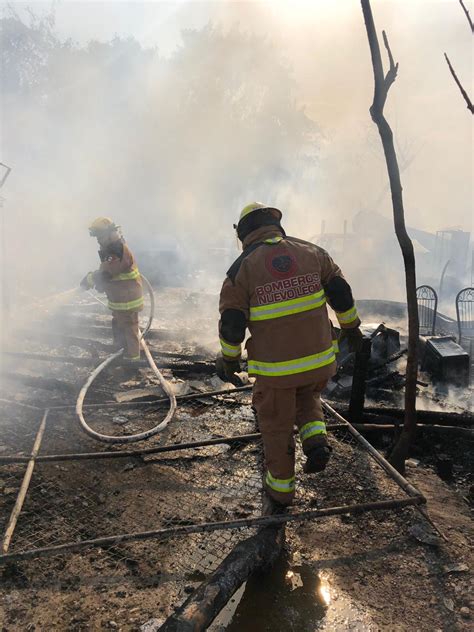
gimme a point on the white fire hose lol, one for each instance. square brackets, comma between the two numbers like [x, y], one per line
[140, 436]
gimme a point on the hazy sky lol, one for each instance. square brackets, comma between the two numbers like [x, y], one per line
[326, 45]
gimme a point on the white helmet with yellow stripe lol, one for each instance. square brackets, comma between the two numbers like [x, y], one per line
[245, 223]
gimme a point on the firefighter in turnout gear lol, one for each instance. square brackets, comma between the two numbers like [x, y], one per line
[278, 288]
[119, 278]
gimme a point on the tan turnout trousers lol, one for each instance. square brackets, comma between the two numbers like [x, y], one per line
[278, 410]
[126, 333]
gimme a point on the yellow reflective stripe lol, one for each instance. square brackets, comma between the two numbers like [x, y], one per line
[291, 367]
[286, 308]
[127, 276]
[335, 344]
[345, 318]
[311, 429]
[273, 240]
[90, 278]
[230, 350]
[286, 485]
[123, 307]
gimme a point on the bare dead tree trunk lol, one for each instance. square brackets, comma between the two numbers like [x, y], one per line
[382, 86]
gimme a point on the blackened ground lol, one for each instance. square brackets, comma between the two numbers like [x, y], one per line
[379, 571]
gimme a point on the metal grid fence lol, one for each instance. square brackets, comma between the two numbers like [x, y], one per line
[72, 500]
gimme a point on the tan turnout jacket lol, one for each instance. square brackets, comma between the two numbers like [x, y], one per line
[279, 289]
[120, 279]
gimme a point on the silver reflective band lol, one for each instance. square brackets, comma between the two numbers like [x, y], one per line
[311, 429]
[127, 276]
[286, 308]
[285, 485]
[299, 365]
[230, 350]
[347, 317]
[125, 307]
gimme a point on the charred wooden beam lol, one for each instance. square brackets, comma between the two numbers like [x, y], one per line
[389, 360]
[48, 357]
[47, 383]
[437, 417]
[248, 557]
[162, 400]
[453, 431]
[204, 368]
[45, 335]
[184, 366]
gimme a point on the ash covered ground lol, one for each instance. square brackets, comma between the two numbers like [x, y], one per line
[370, 572]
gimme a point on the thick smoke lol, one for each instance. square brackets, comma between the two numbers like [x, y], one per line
[258, 101]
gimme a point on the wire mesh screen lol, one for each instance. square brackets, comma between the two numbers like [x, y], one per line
[73, 501]
[129, 583]
[76, 500]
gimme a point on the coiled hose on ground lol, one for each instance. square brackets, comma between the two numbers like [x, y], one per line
[140, 436]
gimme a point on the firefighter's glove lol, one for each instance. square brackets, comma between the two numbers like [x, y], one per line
[354, 339]
[226, 369]
[87, 282]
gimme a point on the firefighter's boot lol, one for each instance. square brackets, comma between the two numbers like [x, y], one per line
[317, 459]
[271, 507]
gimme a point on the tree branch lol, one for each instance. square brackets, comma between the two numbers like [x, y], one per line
[467, 15]
[392, 71]
[470, 107]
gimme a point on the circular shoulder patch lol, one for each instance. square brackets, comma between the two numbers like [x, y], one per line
[280, 263]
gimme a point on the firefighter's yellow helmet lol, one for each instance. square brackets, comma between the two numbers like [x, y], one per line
[101, 225]
[257, 206]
